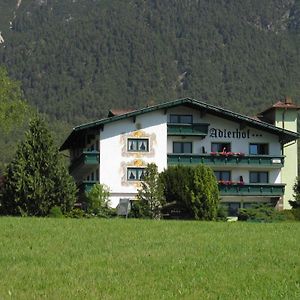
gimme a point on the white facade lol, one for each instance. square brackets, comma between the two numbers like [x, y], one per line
[115, 158]
[120, 162]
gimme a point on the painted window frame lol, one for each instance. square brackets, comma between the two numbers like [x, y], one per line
[259, 144]
[138, 140]
[182, 147]
[136, 170]
[259, 174]
[221, 148]
[179, 118]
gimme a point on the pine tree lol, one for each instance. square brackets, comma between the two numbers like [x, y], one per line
[151, 193]
[36, 179]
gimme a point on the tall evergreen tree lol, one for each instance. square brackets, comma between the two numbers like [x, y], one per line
[205, 194]
[36, 179]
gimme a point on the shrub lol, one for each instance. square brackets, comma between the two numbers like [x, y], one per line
[193, 190]
[76, 213]
[55, 212]
[98, 201]
[261, 213]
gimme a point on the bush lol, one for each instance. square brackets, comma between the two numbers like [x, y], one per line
[261, 213]
[222, 213]
[76, 213]
[97, 200]
[296, 213]
[193, 190]
[55, 212]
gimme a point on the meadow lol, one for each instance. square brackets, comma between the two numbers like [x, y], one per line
[143, 259]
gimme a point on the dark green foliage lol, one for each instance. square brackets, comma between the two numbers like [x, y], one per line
[296, 213]
[296, 203]
[204, 194]
[36, 180]
[138, 210]
[151, 195]
[55, 212]
[98, 201]
[177, 183]
[76, 59]
[191, 192]
[261, 213]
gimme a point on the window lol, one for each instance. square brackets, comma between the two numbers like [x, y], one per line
[233, 209]
[138, 145]
[259, 177]
[135, 174]
[182, 147]
[258, 149]
[220, 147]
[186, 119]
[223, 175]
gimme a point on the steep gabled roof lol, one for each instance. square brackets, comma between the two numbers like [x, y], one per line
[284, 135]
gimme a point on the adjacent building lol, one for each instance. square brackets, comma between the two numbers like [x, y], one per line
[254, 159]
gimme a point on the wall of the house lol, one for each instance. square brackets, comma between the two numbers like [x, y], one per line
[115, 158]
[287, 119]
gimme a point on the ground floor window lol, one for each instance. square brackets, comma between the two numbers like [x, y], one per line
[182, 147]
[259, 177]
[233, 208]
[135, 174]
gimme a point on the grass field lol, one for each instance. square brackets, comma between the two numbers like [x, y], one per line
[135, 259]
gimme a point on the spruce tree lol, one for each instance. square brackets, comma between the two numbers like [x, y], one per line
[36, 180]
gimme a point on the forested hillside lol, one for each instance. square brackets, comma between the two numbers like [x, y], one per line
[78, 58]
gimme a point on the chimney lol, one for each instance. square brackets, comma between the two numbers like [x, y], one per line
[288, 100]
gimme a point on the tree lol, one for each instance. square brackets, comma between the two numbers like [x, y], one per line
[193, 191]
[98, 200]
[151, 193]
[296, 202]
[36, 180]
[205, 194]
[12, 106]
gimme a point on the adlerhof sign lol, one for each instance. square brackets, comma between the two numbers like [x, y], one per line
[231, 134]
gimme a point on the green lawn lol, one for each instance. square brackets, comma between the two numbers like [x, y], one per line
[135, 259]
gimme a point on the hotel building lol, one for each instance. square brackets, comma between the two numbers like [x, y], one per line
[254, 159]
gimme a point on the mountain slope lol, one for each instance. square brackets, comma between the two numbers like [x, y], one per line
[78, 58]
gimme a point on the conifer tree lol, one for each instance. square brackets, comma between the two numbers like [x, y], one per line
[205, 194]
[36, 179]
[151, 193]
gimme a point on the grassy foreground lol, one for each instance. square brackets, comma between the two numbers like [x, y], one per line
[135, 259]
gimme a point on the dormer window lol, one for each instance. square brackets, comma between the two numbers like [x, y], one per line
[183, 119]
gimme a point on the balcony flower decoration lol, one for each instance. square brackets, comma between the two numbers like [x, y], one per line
[240, 154]
[226, 182]
[213, 153]
[229, 153]
[240, 182]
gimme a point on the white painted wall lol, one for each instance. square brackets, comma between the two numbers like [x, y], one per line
[114, 157]
[237, 145]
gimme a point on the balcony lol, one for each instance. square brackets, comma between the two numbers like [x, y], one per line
[86, 186]
[227, 159]
[252, 189]
[196, 129]
[85, 162]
